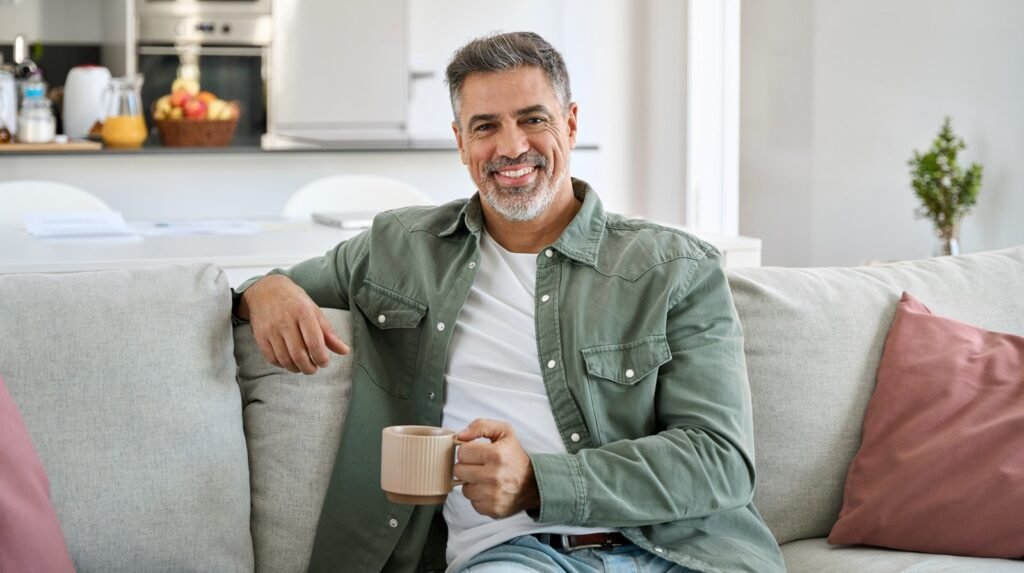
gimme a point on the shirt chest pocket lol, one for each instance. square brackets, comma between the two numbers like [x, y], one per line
[393, 331]
[629, 363]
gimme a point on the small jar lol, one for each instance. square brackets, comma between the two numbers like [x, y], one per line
[36, 123]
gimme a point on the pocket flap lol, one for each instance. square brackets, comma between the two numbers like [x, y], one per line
[386, 309]
[630, 362]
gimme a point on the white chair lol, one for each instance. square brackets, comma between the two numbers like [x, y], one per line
[352, 193]
[19, 197]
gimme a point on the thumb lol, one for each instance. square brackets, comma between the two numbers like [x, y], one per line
[335, 344]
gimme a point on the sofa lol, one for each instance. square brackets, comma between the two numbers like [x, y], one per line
[170, 444]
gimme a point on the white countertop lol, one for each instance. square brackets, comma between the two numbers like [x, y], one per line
[279, 243]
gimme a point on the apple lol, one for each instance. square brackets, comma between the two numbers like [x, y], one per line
[206, 97]
[189, 85]
[194, 108]
[216, 109]
[179, 97]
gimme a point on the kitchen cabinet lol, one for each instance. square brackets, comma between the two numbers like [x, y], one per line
[339, 70]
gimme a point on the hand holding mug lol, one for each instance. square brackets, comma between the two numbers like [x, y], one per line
[498, 474]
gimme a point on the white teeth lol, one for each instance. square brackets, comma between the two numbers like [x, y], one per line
[517, 173]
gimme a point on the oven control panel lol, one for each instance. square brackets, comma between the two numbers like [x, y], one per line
[206, 30]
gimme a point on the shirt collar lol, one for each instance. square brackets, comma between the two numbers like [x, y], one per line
[579, 241]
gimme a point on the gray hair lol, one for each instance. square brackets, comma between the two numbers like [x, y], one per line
[505, 52]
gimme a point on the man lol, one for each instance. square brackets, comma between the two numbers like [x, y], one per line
[596, 361]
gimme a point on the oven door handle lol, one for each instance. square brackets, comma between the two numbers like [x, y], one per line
[201, 50]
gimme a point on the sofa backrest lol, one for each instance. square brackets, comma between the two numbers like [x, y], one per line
[126, 381]
[813, 341]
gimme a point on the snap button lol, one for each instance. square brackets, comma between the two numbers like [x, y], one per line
[551, 363]
[659, 550]
[545, 298]
[472, 265]
[549, 253]
[431, 396]
[440, 327]
[630, 373]
[574, 437]
[381, 319]
[393, 522]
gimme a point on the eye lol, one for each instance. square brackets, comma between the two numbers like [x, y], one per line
[535, 120]
[483, 127]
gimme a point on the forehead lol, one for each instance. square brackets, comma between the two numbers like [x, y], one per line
[506, 92]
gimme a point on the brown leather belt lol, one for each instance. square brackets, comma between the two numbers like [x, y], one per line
[569, 543]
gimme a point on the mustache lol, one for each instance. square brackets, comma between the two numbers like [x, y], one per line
[528, 158]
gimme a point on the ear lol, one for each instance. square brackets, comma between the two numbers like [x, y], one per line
[458, 141]
[571, 119]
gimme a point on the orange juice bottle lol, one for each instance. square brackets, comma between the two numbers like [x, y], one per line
[124, 125]
[124, 131]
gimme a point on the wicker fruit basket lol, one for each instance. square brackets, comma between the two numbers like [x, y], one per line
[196, 132]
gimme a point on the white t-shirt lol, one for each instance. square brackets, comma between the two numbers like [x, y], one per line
[493, 371]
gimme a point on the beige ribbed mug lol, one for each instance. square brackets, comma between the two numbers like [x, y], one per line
[416, 464]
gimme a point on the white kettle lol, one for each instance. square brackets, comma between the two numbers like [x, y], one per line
[83, 99]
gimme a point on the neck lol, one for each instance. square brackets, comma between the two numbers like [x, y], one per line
[532, 236]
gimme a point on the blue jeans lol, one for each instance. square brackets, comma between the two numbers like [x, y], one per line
[527, 553]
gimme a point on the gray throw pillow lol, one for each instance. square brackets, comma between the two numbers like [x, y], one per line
[293, 426]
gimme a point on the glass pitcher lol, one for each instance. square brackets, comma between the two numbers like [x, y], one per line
[123, 125]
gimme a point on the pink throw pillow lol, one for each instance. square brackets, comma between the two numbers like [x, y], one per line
[941, 464]
[30, 535]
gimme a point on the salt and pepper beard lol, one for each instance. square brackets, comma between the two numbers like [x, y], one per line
[525, 203]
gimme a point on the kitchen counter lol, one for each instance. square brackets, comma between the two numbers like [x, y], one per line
[276, 145]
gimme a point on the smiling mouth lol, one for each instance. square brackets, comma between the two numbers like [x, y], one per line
[516, 173]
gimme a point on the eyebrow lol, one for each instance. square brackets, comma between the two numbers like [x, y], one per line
[489, 117]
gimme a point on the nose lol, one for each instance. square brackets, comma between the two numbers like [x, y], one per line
[512, 142]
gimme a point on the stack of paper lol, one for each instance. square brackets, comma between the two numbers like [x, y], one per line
[78, 224]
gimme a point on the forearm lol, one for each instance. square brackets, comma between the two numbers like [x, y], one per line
[323, 278]
[673, 475]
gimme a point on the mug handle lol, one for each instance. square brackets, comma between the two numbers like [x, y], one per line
[458, 442]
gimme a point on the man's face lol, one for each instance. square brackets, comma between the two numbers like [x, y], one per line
[515, 138]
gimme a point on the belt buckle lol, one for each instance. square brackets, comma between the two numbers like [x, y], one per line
[568, 548]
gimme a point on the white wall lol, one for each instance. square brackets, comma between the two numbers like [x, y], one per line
[835, 96]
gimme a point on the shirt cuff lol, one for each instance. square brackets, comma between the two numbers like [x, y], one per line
[563, 495]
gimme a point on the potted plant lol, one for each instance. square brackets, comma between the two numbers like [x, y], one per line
[946, 190]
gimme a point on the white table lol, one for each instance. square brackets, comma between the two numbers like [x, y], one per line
[278, 244]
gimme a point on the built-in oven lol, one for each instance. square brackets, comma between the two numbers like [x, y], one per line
[227, 51]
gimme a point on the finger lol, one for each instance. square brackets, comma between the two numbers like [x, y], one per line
[313, 338]
[298, 352]
[281, 353]
[334, 343]
[470, 473]
[493, 430]
[475, 453]
[267, 350]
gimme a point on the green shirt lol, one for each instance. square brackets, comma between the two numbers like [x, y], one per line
[642, 357]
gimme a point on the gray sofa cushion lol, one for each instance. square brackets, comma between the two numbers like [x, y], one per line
[293, 426]
[817, 556]
[126, 381]
[813, 341]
